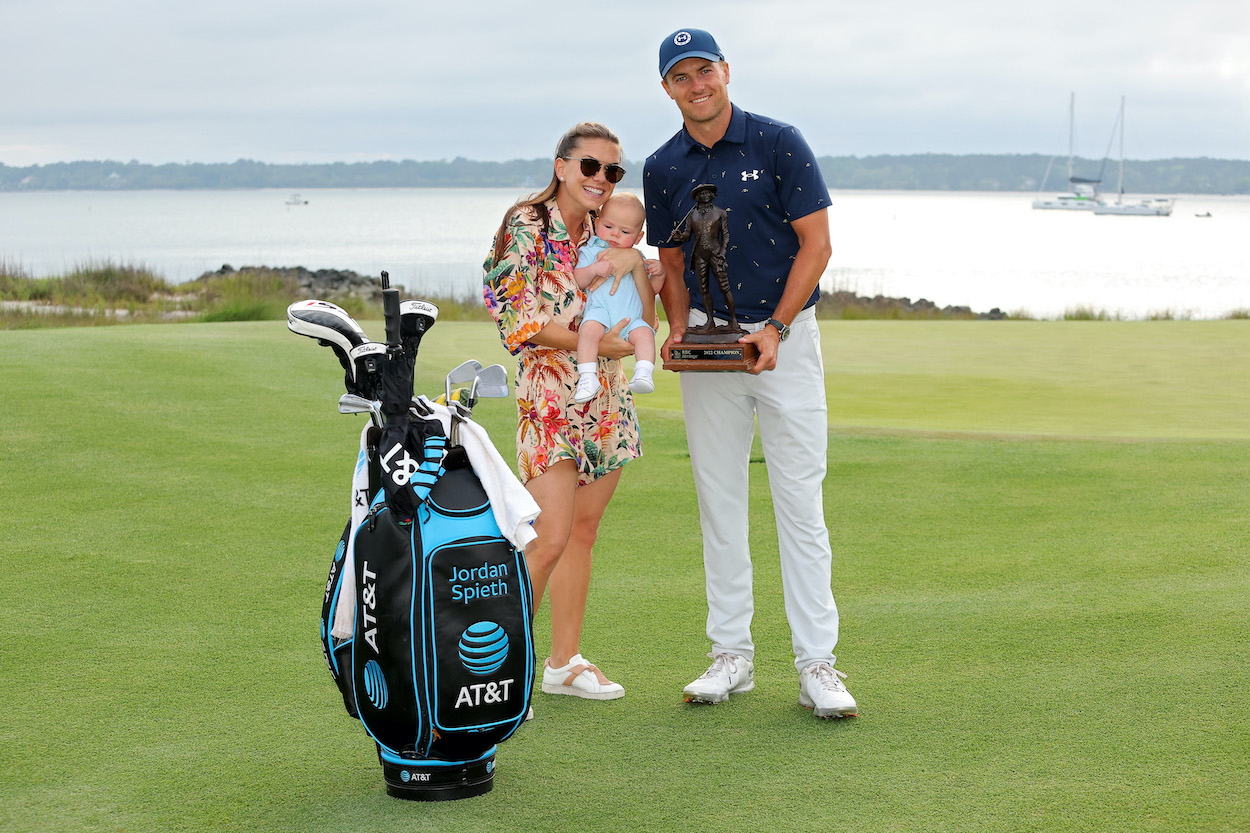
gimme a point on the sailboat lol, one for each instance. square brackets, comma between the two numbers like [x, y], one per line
[1084, 193]
[1158, 207]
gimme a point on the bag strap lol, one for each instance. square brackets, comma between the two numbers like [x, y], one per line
[430, 468]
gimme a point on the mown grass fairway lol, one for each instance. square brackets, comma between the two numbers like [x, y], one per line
[1040, 530]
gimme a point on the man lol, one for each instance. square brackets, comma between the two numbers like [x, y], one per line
[777, 205]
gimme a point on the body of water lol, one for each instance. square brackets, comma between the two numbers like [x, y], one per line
[981, 250]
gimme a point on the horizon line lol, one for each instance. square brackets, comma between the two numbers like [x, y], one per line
[513, 160]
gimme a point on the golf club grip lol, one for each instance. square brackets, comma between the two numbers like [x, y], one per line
[390, 310]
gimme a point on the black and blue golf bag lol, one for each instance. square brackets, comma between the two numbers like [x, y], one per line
[433, 650]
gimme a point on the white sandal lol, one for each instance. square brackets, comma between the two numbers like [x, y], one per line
[580, 679]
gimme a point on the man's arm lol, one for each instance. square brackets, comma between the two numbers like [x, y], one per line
[809, 264]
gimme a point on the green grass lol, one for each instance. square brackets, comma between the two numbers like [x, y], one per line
[1040, 533]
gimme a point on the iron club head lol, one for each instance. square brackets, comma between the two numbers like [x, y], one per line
[350, 403]
[461, 374]
[491, 382]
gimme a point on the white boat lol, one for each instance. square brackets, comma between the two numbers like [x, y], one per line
[1081, 198]
[296, 199]
[1157, 207]
[1084, 193]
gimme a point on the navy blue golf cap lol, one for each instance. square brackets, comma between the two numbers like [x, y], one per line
[687, 43]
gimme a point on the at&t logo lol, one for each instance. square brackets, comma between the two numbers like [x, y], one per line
[483, 648]
[484, 694]
[375, 685]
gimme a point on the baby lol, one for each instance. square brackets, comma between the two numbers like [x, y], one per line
[619, 226]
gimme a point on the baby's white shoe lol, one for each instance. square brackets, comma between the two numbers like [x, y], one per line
[642, 381]
[587, 387]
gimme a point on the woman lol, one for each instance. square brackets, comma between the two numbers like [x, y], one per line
[569, 455]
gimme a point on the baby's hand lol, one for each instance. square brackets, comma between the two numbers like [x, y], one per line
[601, 271]
[656, 273]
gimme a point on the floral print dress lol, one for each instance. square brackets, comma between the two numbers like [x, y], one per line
[530, 287]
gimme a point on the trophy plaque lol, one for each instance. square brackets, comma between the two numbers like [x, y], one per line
[714, 351]
[709, 346]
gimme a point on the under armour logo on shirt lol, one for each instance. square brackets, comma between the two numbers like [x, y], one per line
[750, 175]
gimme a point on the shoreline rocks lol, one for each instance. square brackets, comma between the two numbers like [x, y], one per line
[326, 284]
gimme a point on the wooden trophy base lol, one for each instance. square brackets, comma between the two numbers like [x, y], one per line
[712, 351]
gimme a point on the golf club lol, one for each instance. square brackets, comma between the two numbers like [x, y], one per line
[326, 322]
[491, 382]
[367, 362]
[331, 326]
[350, 403]
[460, 375]
[416, 318]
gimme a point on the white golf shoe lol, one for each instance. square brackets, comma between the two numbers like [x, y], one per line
[728, 674]
[821, 690]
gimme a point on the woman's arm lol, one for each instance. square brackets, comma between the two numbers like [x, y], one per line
[630, 261]
[611, 346]
[510, 297]
[621, 262]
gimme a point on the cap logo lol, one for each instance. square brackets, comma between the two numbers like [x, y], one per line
[682, 38]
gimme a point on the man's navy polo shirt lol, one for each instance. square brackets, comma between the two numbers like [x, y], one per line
[765, 176]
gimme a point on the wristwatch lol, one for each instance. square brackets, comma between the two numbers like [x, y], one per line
[782, 329]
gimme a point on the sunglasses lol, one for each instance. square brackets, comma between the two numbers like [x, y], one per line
[591, 165]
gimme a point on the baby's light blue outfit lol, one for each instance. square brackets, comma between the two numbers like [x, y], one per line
[604, 307]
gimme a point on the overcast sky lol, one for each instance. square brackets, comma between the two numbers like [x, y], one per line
[356, 80]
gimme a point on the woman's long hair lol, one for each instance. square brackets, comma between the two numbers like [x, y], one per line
[537, 203]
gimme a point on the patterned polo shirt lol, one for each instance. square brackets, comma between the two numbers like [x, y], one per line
[766, 176]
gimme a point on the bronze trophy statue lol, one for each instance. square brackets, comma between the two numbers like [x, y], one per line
[710, 346]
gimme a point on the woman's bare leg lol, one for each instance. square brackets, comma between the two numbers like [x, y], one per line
[560, 558]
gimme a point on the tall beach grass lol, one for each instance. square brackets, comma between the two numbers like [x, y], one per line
[98, 293]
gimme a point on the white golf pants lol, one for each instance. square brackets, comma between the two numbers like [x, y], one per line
[720, 411]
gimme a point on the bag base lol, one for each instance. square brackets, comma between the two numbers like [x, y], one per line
[432, 780]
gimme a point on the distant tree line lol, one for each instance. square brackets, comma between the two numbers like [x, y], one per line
[922, 172]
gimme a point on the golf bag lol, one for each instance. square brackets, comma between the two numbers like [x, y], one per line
[433, 648]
